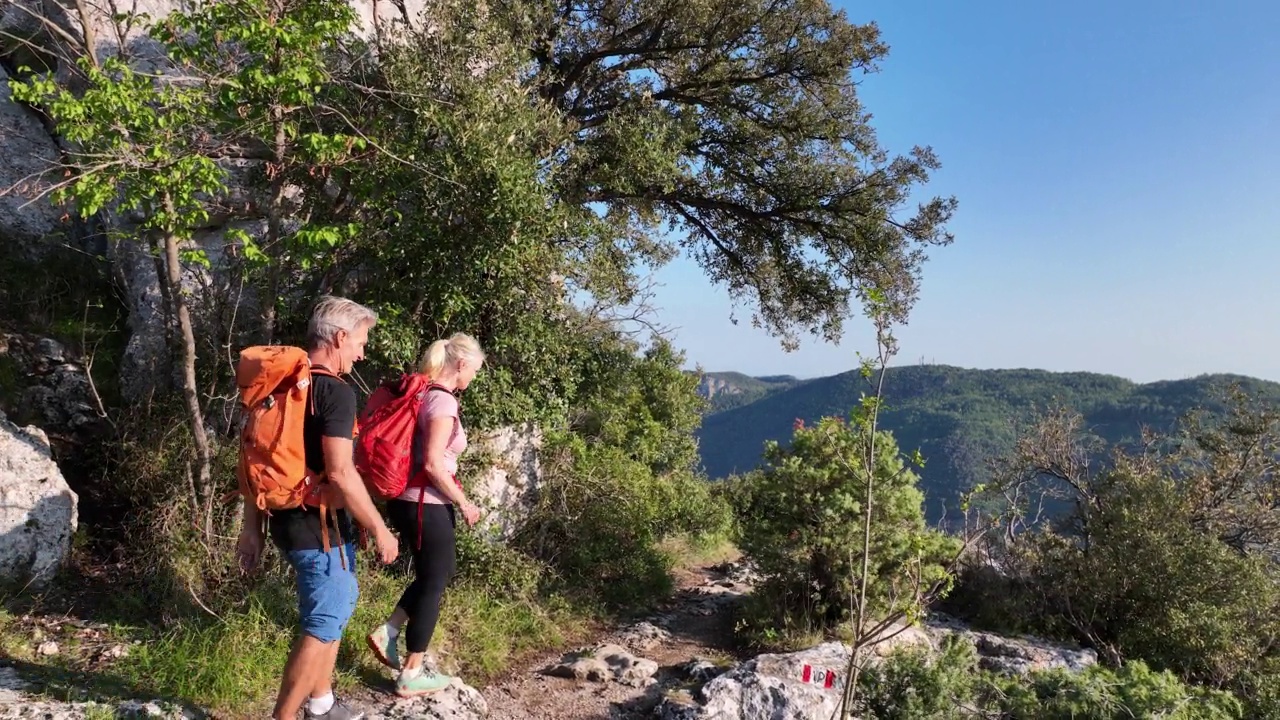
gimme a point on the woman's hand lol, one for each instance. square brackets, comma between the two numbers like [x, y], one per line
[470, 513]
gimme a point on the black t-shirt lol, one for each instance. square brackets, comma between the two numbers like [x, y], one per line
[334, 416]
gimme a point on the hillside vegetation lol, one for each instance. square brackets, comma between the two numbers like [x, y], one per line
[959, 418]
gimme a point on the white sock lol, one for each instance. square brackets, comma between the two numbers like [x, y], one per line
[321, 705]
[410, 672]
[392, 631]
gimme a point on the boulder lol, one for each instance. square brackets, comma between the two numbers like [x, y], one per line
[37, 508]
[787, 686]
[606, 663]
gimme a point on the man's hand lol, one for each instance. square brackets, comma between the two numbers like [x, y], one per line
[388, 545]
[470, 513]
[249, 550]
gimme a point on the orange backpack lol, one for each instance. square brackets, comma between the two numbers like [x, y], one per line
[275, 384]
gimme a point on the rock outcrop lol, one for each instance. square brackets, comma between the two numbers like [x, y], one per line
[1013, 655]
[37, 508]
[458, 701]
[17, 704]
[808, 683]
[56, 393]
[28, 225]
[508, 488]
[789, 686]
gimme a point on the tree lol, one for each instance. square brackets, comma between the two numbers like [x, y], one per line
[738, 125]
[268, 70]
[137, 147]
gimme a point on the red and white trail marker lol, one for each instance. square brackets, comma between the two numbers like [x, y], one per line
[826, 677]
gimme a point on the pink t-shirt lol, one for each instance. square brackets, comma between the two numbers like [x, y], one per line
[437, 404]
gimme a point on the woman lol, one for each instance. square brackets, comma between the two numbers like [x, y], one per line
[451, 365]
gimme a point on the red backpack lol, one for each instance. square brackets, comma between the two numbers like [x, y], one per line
[384, 448]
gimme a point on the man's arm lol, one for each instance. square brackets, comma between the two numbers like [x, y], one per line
[343, 476]
[249, 546]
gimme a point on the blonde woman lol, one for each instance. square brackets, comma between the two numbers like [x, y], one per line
[424, 515]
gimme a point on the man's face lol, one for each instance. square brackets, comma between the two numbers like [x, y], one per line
[351, 346]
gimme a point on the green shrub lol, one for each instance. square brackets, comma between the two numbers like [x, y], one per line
[1133, 691]
[601, 517]
[913, 685]
[801, 521]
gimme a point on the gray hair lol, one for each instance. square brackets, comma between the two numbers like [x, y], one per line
[332, 314]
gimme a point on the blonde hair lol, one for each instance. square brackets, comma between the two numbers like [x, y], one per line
[441, 353]
[332, 314]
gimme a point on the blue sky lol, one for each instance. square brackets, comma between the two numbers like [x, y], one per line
[1116, 165]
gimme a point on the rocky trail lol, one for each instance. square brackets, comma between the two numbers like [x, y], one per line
[626, 674]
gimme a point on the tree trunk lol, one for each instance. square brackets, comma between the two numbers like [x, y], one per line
[190, 392]
[275, 220]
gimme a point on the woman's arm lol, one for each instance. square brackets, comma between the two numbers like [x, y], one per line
[439, 432]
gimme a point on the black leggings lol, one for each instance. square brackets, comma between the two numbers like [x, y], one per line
[433, 565]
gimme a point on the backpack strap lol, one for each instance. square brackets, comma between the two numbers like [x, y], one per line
[319, 485]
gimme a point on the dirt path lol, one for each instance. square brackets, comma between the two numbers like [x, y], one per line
[697, 624]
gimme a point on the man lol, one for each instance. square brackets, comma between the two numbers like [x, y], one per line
[327, 590]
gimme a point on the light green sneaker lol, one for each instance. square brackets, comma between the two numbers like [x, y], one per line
[421, 683]
[384, 647]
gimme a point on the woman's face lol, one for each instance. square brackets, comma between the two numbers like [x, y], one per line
[467, 369]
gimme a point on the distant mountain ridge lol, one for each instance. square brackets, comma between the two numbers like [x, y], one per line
[956, 417]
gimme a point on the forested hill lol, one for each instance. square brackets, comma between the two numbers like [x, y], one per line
[958, 417]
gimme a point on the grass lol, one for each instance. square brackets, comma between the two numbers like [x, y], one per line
[685, 551]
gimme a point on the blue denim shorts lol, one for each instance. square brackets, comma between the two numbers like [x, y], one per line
[327, 593]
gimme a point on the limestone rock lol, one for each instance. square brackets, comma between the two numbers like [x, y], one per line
[458, 701]
[15, 704]
[606, 663]
[57, 395]
[774, 686]
[28, 225]
[38, 512]
[1013, 655]
[643, 635]
[508, 489]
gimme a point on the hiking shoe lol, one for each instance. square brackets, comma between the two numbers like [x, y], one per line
[422, 683]
[339, 711]
[384, 647]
